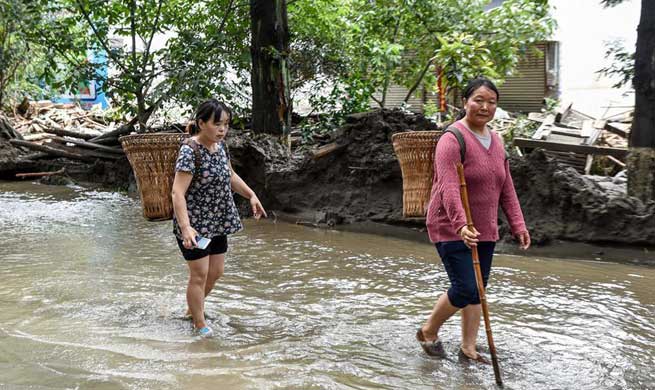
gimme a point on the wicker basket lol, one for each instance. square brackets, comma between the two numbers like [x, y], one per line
[415, 152]
[152, 157]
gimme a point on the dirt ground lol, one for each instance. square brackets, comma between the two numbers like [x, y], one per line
[362, 183]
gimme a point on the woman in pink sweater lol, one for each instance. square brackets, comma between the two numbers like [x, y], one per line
[489, 185]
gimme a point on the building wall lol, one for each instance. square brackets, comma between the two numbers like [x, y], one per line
[526, 88]
[583, 27]
[396, 95]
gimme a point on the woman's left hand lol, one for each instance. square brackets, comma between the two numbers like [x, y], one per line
[524, 240]
[257, 208]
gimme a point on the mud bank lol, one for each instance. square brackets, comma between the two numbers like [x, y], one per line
[361, 183]
[359, 186]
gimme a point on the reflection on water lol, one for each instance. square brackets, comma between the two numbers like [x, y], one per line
[92, 295]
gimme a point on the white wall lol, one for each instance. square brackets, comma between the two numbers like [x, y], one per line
[583, 27]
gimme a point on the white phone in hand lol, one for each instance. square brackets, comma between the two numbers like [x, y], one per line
[202, 242]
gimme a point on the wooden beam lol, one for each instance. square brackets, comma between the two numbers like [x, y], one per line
[562, 110]
[615, 130]
[84, 152]
[53, 128]
[562, 147]
[616, 161]
[51, 150]
[327, 149]
[88, 145]
[544, 128]
[35, 174]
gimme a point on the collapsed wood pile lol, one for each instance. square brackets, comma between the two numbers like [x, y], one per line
[579, 140]
[66, 130]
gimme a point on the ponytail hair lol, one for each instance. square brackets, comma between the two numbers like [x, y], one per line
[208, 110]
[191, 128]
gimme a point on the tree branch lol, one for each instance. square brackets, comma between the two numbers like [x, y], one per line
[153, 30]
[227, 13]
[87, 16]
[133, 34]
[377, 101]
[418, 82]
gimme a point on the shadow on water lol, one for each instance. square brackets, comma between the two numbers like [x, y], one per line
[92, 296]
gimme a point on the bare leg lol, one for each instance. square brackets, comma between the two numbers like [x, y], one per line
[442, 311]
[195, 293]
[470, 326]
[216, 268]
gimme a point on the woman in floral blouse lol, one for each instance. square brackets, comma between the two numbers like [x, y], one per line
[203, 204]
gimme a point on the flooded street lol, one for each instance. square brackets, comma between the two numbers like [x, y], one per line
[92, 296]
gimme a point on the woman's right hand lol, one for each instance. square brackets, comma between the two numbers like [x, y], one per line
[469, 235]
[189, 237]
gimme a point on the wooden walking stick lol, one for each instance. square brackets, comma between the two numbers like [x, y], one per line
[478, 275]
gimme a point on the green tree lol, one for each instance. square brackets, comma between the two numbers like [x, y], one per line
[13, 45]
[379, 42]
[210, 55]
[39, 46]
[125, 30]
[271, 102]
[641, 160]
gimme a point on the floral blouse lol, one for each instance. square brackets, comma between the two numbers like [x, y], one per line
[209, 199]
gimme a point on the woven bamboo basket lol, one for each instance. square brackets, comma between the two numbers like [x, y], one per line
[152, 157]
[415, 152]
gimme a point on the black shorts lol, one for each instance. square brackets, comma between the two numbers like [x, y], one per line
[217, 246]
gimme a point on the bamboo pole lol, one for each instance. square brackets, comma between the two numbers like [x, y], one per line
[478, 276]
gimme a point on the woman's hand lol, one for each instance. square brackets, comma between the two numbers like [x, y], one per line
[257, 208]
[469, 235]
[189, 237]
[524, 240]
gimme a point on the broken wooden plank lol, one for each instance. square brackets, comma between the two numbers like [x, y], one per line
[543, 130]
[587, 128]
[35, 137]
[563, 147]
[327, 149]
[36, 174]
[562, 110]
[612, 128]
[588, 163]
[616, 161]
[537, 116]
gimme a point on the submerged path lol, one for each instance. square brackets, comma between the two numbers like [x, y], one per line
[92, 296]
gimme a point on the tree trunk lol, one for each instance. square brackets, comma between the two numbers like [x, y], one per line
[271, 103]
[641, 163]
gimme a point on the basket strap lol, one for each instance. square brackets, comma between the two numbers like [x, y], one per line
[460, 139]
[193, 144]
[462, 145]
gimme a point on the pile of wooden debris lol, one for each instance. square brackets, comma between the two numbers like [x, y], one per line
[66, 130]
[579, 140]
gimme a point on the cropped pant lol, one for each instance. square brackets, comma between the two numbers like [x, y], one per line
[458, 261]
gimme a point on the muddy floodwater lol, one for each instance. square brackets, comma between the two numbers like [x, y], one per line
[92, 296]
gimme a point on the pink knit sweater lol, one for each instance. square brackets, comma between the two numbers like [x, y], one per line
[489, 184]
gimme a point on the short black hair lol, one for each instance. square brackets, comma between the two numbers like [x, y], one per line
[478, 82]
[207, 110]
[473, 86]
